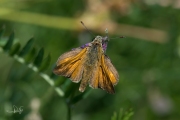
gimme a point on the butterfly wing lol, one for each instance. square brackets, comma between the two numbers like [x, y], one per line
[70, 64]
[110, 75]
[105, 76]
[110, 70]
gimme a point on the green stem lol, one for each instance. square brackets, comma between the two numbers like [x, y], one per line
[43, 75]
[68, 112]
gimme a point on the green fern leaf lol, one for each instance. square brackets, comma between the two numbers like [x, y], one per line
[15, 49]
[9, 43]
[26, 48]
[38, 60]
[45, 63]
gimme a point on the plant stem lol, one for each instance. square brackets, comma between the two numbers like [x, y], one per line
[68, 112]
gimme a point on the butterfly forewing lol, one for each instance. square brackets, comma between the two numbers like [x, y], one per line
[110, 70]
[105, 81]
[76, 76]
[70, 65]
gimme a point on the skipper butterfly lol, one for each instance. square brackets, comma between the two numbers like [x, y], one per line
[90, 65]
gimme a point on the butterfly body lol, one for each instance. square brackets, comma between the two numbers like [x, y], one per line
[89, 64]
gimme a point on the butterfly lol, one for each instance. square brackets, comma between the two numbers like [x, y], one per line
[90, 65]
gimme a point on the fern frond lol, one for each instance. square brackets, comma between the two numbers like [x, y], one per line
[26, 55]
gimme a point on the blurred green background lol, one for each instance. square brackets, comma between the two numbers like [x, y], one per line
[148, 59]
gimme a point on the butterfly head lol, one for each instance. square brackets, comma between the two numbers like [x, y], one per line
[102, 40]
[98, 39]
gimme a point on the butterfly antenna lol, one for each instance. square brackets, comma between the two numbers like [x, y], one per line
[119, 37]
[106, 31]
[87, 28]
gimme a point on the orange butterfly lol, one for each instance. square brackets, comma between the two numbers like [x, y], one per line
[89, 64]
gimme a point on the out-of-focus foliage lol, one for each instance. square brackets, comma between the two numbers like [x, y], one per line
[148, 59]
[121, 115]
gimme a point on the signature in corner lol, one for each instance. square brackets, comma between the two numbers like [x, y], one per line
[16, 110]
